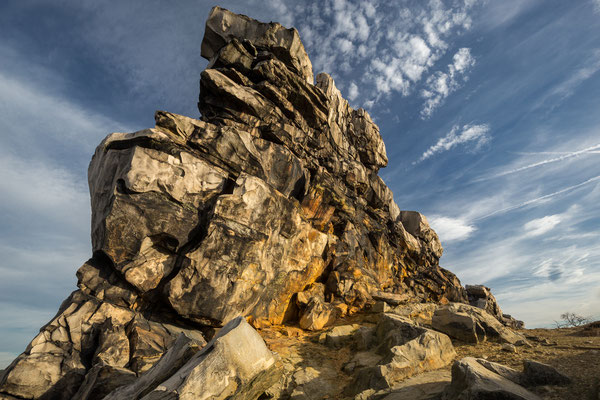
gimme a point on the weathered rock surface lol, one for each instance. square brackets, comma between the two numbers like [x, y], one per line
[471, 380]
[198, 221]
[406, 349]
[538, 374]
[472, 324]
[481, 296]
[236, 364]
[176, 357]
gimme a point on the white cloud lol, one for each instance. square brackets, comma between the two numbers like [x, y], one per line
[540, 226]
[476, 135]
[441, 84]
[451, 229]
[352, 91]
[345, 46]
[392, 58]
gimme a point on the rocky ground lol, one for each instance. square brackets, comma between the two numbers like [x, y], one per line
[319, 366]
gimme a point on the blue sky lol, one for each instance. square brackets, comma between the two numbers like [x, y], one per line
[489, 111]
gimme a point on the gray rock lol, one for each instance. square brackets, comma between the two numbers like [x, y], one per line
[473, 381]
[504, 371]
[421, 313]
[426, 386]
[176, 357]
[222, 25]
[471, 324]
[393, 299]
[481, 296]
[235, 364]
[407, 350]
[539, 374]
[101, 379]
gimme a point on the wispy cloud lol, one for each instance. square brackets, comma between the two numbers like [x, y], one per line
[474, 135]
[439, 85]
[541, 198]
[564, 156]
[451, 229]
[540, 226]
[567, 87]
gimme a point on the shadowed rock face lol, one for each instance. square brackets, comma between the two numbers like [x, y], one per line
[198, 221]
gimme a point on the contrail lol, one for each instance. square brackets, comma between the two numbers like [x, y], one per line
[544, 162]
[526, 203]
[534, 153]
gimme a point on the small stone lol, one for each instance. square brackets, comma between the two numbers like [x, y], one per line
[509, 348]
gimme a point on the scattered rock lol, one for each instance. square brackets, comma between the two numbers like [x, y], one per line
[509, 348]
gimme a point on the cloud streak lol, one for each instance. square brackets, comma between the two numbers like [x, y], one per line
[564, 156]
[541, 198]
[474, 135]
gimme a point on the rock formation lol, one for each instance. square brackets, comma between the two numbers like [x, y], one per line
[268, 207]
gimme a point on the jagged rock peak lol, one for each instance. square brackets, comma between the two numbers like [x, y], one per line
[222, 26]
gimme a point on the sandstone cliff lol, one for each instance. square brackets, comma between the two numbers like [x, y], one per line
[268, 207]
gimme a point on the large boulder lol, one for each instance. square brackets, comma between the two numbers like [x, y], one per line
[176, 357]
[235, 364]
[538, 374]
[473, 325]
[471, 380]
[406, 349]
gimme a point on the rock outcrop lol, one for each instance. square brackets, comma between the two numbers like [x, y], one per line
[236, 364]
[406, 349]
[477, 379]
[272, 193]
[481, 296]
[473, 325]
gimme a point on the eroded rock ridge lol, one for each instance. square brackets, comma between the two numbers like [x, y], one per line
[268, 207]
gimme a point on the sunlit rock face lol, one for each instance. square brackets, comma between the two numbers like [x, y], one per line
[273, 191]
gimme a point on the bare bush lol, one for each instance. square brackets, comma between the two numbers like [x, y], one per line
[570, 320]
